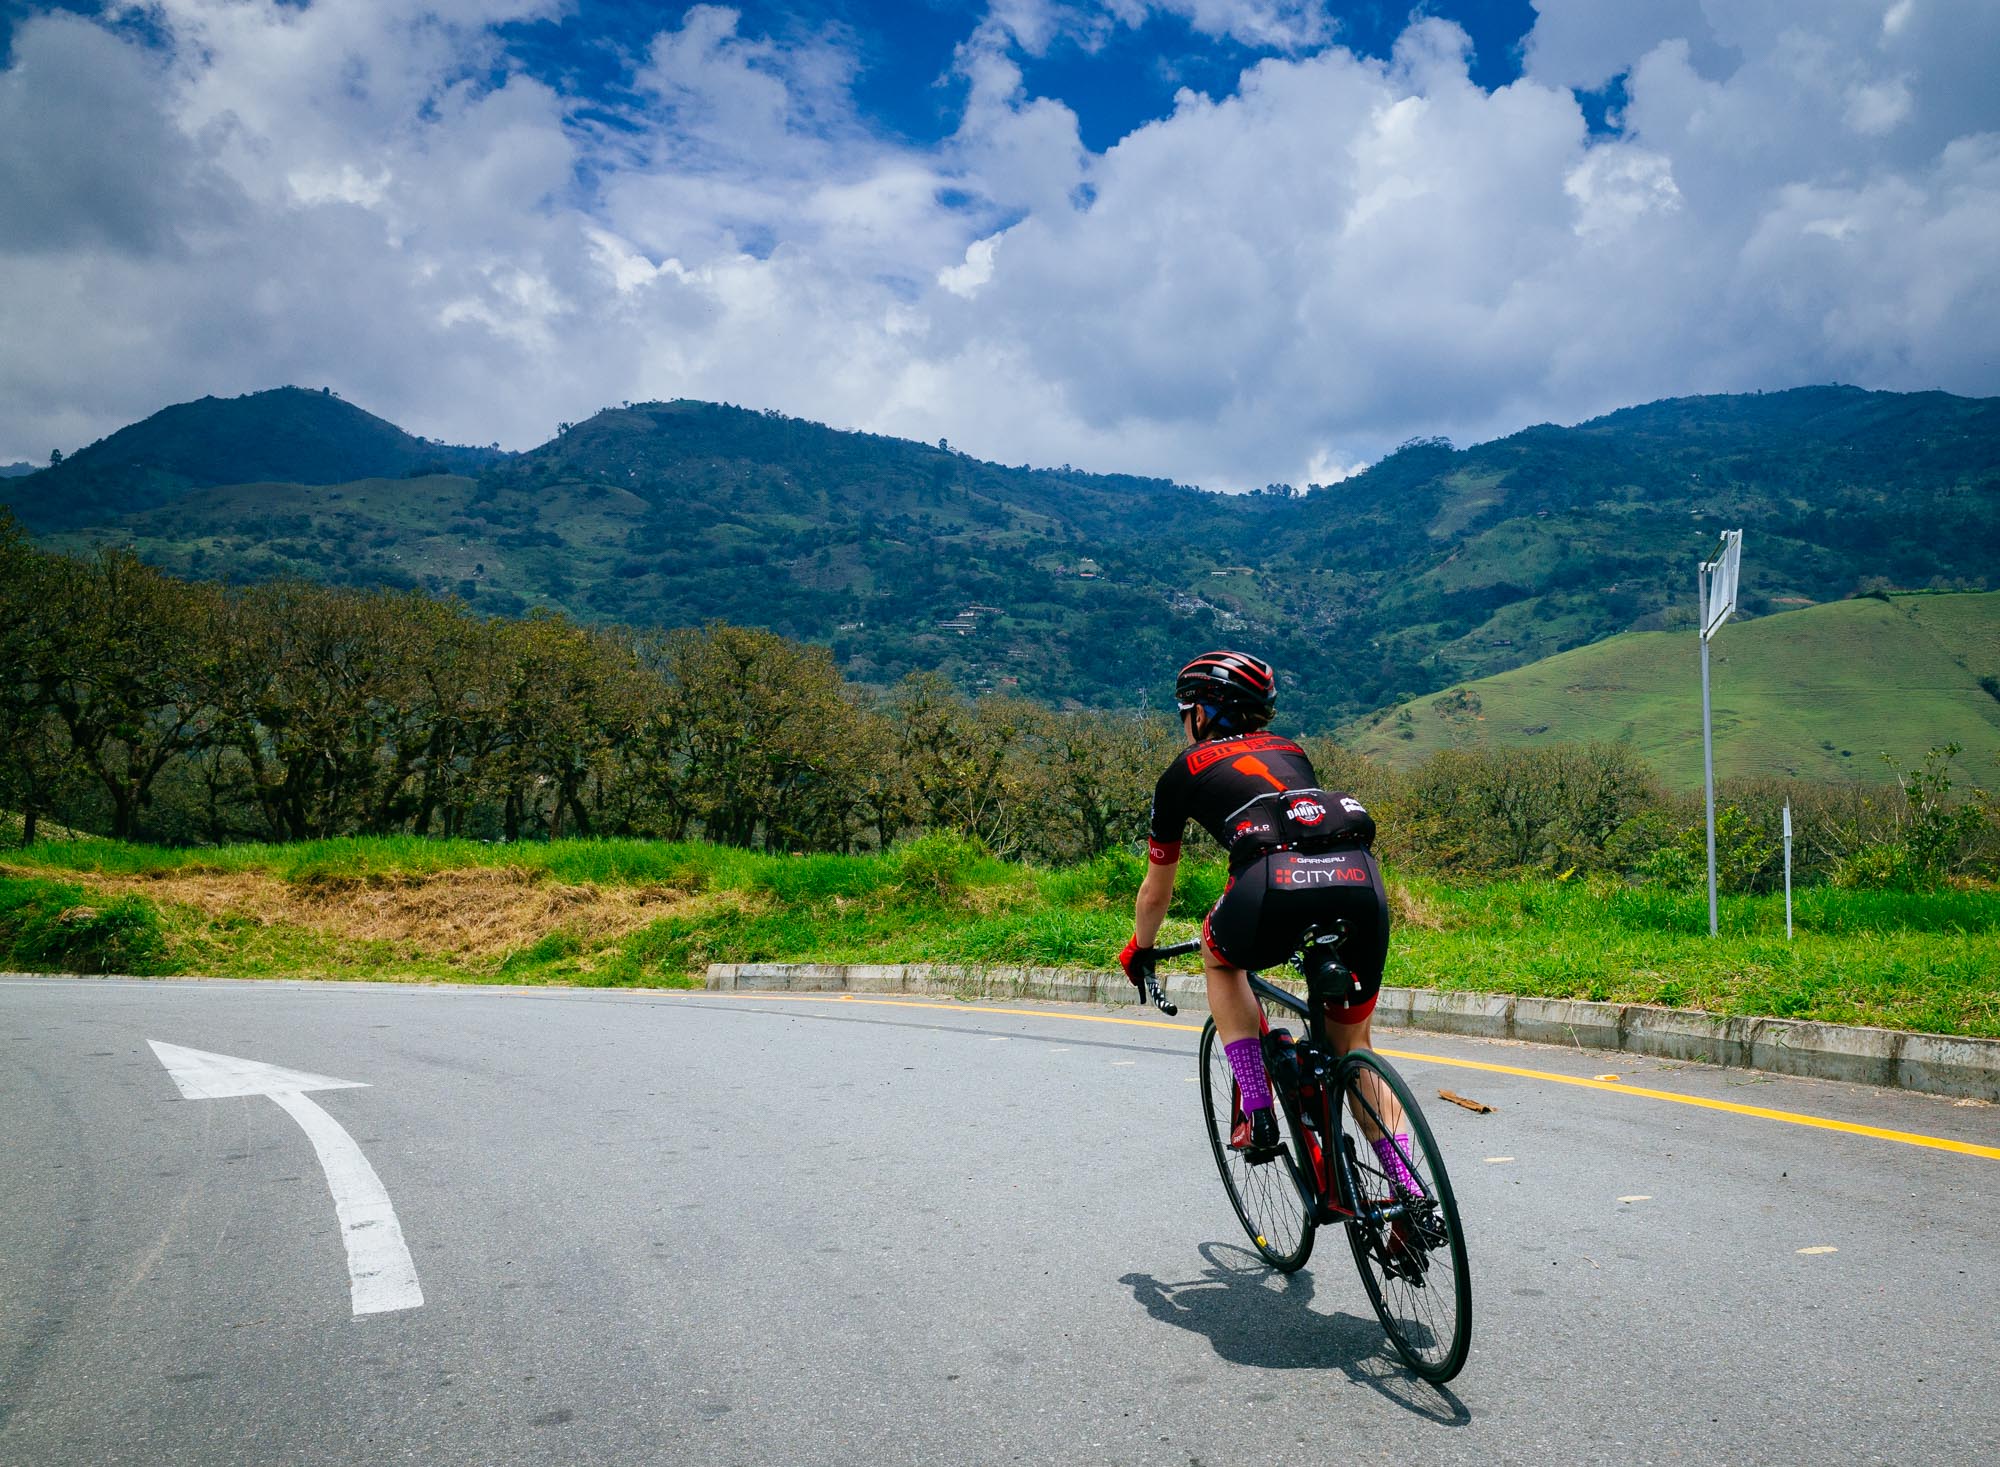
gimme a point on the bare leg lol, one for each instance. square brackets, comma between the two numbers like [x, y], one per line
[1235, 1008]
[1356, 1036]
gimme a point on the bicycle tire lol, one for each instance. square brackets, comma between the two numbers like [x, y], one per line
[1428, 1317]
[1268, 1199]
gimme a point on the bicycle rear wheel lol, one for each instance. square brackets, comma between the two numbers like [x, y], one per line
[1267, 1196]
[1412, 1262]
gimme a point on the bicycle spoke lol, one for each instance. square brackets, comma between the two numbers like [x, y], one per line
[1267, 1196]
[1406, 1242]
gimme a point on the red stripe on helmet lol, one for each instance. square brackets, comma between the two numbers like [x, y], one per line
[1253, 670]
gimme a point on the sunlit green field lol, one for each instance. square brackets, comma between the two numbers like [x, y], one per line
[1815, 694]
[654, 914]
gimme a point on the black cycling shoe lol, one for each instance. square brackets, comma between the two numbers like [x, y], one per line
[1257, 1136]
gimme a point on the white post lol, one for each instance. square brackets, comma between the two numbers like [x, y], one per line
[1788, 871]
[1707, 746]
[1715, 597]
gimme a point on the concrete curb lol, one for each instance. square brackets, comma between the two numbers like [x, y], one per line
[1935, 1064]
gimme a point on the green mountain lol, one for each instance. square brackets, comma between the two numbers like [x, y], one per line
[288, 434]
[1557, 537]
[16, 471]
[1435, 566]
[1818, 694]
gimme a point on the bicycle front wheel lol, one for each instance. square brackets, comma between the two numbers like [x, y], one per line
[1266, 1195]
[1407, 1240]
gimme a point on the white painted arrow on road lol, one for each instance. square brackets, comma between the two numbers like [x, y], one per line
[381, 1275]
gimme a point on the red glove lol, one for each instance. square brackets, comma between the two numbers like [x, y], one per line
[1136, 961]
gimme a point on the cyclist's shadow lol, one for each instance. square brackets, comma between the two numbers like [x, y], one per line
[1253, 1316]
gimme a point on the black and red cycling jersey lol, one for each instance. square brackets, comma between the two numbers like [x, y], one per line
[1254, 793]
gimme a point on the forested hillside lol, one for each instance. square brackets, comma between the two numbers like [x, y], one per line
[1435, 566]
[149, 707]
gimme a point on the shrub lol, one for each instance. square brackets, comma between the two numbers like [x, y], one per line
[936, 866]
[50, 926]
[1675, 867]
[1931, 835]
[1492, 811]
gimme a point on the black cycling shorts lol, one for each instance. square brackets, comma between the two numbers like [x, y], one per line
[1269, 904]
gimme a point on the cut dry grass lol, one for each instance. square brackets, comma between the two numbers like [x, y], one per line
[1409, 907]
[471, 918]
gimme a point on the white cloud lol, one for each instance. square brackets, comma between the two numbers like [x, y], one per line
[1280, 284]
[964, 279]
[1616, 185]
[1280, 25]
[1035, 26]
[1874, 108]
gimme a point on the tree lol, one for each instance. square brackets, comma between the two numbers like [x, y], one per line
[961, 762]
[1101, 769]
[316, 690]
[38, 766]
[765, 738]
[123, 655]
[571, 700]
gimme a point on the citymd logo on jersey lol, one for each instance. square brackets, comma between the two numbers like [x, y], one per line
[1306, 811]
[1319, 875]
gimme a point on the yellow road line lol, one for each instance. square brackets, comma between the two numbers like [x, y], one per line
[1789, 1117]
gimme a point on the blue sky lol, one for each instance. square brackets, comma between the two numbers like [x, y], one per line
[1229, 241]
[1114, 79]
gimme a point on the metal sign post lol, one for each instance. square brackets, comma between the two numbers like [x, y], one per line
[1715, 582]
[1788, 871]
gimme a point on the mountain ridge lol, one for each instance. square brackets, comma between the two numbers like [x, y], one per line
[1435, 565]
[282, 434]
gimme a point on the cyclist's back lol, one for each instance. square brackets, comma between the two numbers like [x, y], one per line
[1254, 792]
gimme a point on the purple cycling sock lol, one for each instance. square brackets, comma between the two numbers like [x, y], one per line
[1246, 1059]
[1393, 1165]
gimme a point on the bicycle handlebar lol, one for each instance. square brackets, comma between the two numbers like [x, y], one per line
[1151, 992]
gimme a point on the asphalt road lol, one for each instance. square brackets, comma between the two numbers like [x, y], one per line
[675, 1228]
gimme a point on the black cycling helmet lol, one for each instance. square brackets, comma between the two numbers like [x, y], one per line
[1241, 690]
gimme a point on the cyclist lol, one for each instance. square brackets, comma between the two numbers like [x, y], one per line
[1298, 857]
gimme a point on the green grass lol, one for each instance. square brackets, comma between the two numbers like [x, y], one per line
[1915, 961]
[1927, 962]
[1813, 694]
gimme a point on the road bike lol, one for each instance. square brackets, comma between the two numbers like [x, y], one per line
[1407, 1242]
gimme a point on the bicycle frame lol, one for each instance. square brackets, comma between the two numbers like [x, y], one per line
[1321, 1179]
[1326, 1176]
[1404, 1230]
[1326, 1180]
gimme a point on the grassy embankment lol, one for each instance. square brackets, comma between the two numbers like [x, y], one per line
[1816, 694]
[639, 913]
